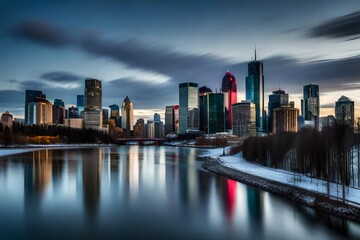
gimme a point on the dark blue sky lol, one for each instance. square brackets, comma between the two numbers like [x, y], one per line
[143, 49]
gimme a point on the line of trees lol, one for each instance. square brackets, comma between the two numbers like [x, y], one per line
[331, 155]
[24, 134]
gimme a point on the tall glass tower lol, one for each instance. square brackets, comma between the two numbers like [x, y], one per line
[344, 110]
[254, 87]
[127, 114]
[310, 108]
[93, 103]
[188, 107]
[30, 96]
[229, 90]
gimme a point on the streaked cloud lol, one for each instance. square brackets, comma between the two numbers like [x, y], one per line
[346, 26]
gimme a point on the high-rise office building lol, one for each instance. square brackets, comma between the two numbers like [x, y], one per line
[188, 107]
[80, 104]
[105, 117]
[139, 128]
[254, 87]
[244, 119]
[285, 119]
[171, 119]
[157, 117]
[40, 111]
[59, 112]
[277, 99]
[93, 103]
[114, 110]
[7, 119]
[30, 96]
[59, 102]
[127, 115]
[228, 88]
[344, 110]
[115, 114]
[73, 112]
[211, 107]
[310, 108]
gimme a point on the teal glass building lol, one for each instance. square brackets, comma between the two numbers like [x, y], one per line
[212, 116]
[254, 88]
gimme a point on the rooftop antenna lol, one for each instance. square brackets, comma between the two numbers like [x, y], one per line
[255, 51]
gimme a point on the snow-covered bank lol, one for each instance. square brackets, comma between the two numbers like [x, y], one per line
[29, 148]
[307, 191]
[6, 152]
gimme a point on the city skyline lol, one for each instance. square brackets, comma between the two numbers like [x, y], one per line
[53, 47]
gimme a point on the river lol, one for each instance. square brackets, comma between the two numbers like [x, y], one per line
[135, 192]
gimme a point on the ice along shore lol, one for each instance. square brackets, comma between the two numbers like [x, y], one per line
[307, 192]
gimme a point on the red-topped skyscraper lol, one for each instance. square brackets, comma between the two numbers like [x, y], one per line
[228, 88]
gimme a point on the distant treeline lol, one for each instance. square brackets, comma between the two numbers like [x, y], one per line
[331, 154]
[25, 134]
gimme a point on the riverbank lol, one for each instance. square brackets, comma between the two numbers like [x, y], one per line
[308, 191]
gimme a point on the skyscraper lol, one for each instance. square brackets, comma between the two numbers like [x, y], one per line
[310, 108]
[344, 110]
[59, 112]
[105, 117]
[40, 111]
[30, 96]
[127, 115]
[228, 88]
[139, 128]
[114, 110]
[244, 119]
[277, 99]
[114, 114]
[80, 103]
[171, 119]
[188, 107]
[254, 87]
[285, 119]
[157, 117]
[212, 112]
[93, 103]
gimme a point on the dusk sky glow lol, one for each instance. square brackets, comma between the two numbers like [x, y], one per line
[144, 49]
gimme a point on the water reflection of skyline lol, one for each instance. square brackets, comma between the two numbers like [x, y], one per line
[132, 179]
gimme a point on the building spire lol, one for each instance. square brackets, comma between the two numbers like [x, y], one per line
[255, 51]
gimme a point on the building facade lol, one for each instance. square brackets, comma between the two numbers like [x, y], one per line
[188, 107]
[229, 89]
[212, 117]
[171, 119]
[30, 96]
[285, 119]
[254, 88]
[7, 119]
[244, 119]
[127, 115]
[40, 111]
[310, 108]
[344, 110]
[139, 128]
[93, 103]
[277, 99]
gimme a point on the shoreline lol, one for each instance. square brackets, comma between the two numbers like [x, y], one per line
[295, 194]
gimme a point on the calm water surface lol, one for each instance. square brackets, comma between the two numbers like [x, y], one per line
[144, 192]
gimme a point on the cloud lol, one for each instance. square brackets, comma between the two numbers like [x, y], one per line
[340, 27]
[143, 95]
[61, 76]
[42, 32]
[152, 57]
